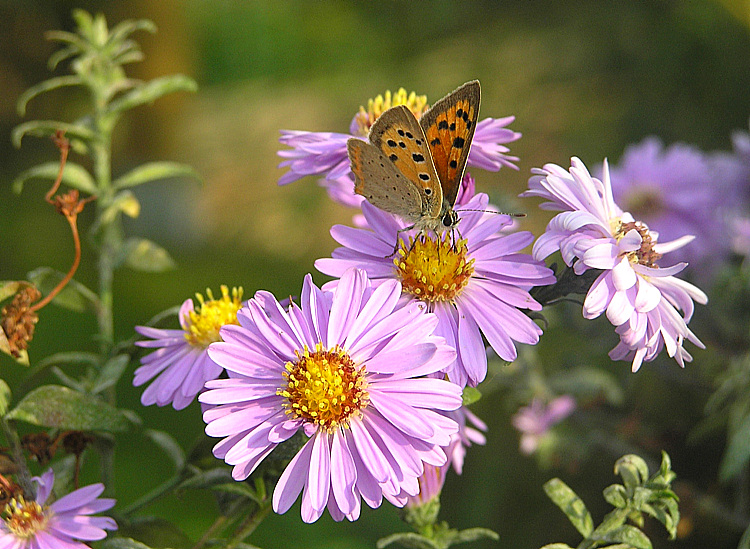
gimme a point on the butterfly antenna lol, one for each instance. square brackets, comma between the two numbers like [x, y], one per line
[493, 212]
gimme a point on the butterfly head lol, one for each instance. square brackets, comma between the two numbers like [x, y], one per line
[449, 218]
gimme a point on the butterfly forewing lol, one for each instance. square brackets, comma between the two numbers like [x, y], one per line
[449, 127]
[400, 138]
[378, 180]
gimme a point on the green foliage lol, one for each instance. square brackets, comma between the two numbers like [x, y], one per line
[637, 496]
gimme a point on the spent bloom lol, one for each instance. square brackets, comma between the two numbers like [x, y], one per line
[347, 369]
[679, 190]
[535, 420]
[64, 524]
[325, 154]
[476, 285]
[639, 297]
[180, 364]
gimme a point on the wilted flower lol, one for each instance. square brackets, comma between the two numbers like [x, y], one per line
[347, 369]
[476, 285]
[325, 154]
[64, 524]
[181, 364]
[640, 298]
[535, 420]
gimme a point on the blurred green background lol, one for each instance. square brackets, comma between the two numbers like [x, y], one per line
[583, 78]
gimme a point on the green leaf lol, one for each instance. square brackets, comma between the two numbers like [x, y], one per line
[154, 171]
[69, 358]
[125, 28]
[125, 202]
[73, 40]
[123, 543]
[110, 373]
[23, 356]
[61, 55]
[151, 91]
[62, 408]
[169, 445]
[47, 128]
[474, 534]
[557, 546]
[74, 296]
[633, 470]
[737, 452]
[143, 255]
[5, 396]
[74, 175]
[629, 535]
[208, 479]
[42, 87]
[154, 532]
[615, 495]
[408, 539]
[470, 395]
[570, 504]
[9, 288]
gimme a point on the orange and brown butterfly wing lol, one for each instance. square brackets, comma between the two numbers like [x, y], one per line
[378, 180]
[398, 135]
[449, 127]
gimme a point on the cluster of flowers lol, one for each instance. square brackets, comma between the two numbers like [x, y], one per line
[371, 367]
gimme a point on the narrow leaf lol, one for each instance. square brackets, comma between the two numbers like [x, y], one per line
[473, 534]
[123, 543]
[144, 255]
[42, 87]
[629, 535]
[5, 396]
[61, 55]
[110, 373]
[69, 358]
[125, 28]
[633, 470]
[557, 546]
[154, 171]
[75, 296]
[125, 202]
[47, 128]
[62, 408]
[570, 504]
[9, 288]
[166, 442]
[74, 175]
[151, 91]
[410, 540]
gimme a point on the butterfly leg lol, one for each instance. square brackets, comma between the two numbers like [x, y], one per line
[398, 240]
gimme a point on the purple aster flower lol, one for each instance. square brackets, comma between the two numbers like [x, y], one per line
[347, 369]
[476, 285]
[640, 298]
[680, 190]
[535, 420]
[432, 480]
[181, 365]
[28, 524]
[325, 153]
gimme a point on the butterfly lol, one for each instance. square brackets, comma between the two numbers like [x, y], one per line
[414, 168]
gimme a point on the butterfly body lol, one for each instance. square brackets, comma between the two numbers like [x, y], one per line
[414, 168]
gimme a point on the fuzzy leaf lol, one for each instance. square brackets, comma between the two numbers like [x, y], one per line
[473, 534]
[42, 87]
[470, 395]
[144, 255]
[74, 175]
[123, 543]
[62, 408]
[628, 535]
[154, 171]
[410, 540]
[169, 445]
[68, 358]
[5, 396]
[47, 128]
[23, 356]
[75, 296]
[633, 470]
[570, 504]
[125, 28]
[151, 91]
[557, 546]
[615, 495]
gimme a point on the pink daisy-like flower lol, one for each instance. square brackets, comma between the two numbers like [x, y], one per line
[639, 298]
[64, 524]
[181, 365]
[325, 153]
[535, 420]
[432, 480]
[347, 369]
[476, 285]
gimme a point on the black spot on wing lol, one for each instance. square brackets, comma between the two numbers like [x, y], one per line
[401, 133]
[435, 142]
[393, 157]
[459, 142]
[425, 177]
[443, 125]
[391, 143]
[409, 135]
[453, 164]
[417, 157]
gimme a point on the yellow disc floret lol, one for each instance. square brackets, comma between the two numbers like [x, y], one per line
[324, 387]
[24, 518]
[202, 326]
[417, 104]
[434, 270]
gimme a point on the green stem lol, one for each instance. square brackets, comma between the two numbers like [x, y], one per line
[153, 495]
[250, 524]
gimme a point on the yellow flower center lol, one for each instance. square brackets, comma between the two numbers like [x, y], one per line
[25, 518]
[324, 387]
[204, 323]
[645, 255]
[433, 270]
[375, 107]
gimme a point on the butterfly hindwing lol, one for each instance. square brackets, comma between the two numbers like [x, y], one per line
[449, 127]
[400, 138]
[378, 180]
